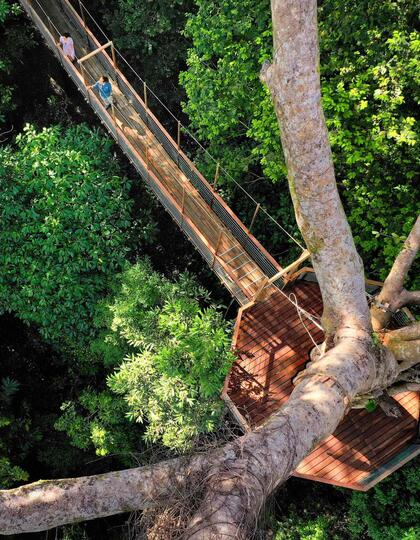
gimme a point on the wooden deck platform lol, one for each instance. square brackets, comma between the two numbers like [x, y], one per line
[273, 346]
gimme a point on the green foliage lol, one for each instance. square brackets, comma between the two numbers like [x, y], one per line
[370, 96]
[150, 35]
[230, 110]
[313, 511]
[4, 10]
[177, 354]
[105, 428]
[10, 474]
[391, 509]
[297, 528]
[225, 96]
[8, 388]
[65, 218]
[14, 42]
[8, 8]
[371, 405]
[310, 511]
[74, 532]
[370, 74]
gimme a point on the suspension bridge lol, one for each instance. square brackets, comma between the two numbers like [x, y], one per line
[279, 316]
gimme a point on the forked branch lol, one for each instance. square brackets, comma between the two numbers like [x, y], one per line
[393, 295]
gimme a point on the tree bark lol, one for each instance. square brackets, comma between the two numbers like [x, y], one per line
[353, 365]
[294, 82]
[239, 477]
[51, 503]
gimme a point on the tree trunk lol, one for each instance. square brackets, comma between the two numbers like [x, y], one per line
[294, 83]
[47, 504]
[240, 476]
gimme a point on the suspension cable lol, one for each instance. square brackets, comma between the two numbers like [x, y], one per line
[301, 311]
[48, 18]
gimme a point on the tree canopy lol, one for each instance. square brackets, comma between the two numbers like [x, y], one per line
[111, 358]
[65, 218]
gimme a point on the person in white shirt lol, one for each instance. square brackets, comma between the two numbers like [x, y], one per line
[66, 43]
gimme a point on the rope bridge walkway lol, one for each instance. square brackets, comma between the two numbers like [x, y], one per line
[228, 246]
[279, 321]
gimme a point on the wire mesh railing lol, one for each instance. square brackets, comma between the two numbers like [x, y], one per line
[241, 232]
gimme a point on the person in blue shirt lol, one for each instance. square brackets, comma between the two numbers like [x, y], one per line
[104, 88]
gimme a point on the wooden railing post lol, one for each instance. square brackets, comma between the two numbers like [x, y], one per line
[216, 175]
[115, 121]
[254, 216]
[283, 273]
[85, 82]
[217, 249]
[258, 294]
[91, 54]
[114, 63]
[114, 58]
[145, 94]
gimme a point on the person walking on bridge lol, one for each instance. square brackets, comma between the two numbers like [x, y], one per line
[104, 88]
[67, 44]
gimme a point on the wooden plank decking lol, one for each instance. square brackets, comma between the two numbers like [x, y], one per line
[229, 258]
[273, 346]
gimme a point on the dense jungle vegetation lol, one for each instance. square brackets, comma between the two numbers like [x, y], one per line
[115, 339]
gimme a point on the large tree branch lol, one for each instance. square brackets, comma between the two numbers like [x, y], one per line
[407, 353]
[393, 295]
[266, 457]
[47, 504]
[407, 333]
[324, 391]
[409, 298]
[240, 475]
[404, 343]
